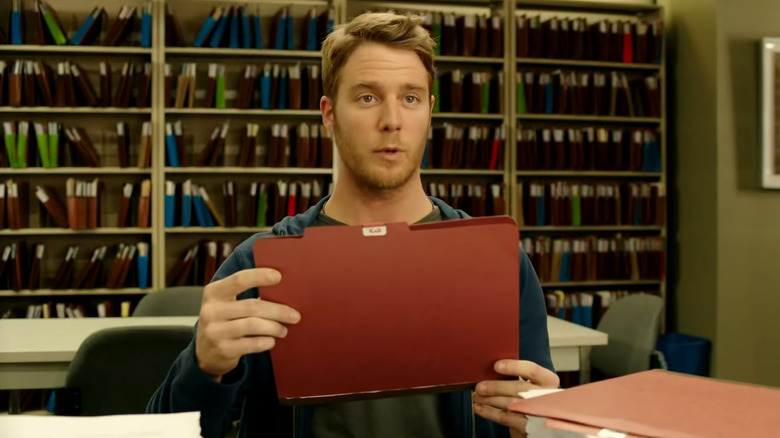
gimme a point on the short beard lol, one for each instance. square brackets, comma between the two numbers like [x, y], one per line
[365, 176]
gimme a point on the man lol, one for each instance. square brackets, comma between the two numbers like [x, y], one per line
[377, 74]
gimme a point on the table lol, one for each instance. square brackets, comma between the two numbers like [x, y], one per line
[36, 353]
[566, 341]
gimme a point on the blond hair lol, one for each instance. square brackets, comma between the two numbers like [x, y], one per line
[389, 28]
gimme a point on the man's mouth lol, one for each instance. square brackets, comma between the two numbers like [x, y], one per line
[389, 152]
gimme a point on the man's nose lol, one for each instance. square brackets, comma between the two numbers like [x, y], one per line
[390, 119]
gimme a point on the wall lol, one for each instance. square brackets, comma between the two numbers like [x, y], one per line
[693, 199]
[748, 217]
[727, 240]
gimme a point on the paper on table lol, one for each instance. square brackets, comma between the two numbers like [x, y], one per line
[531, 393]
[541, 427]
[179, 425]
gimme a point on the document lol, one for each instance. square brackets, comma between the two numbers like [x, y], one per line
[179, 425]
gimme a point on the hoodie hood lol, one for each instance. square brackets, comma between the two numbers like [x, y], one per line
[294, 225]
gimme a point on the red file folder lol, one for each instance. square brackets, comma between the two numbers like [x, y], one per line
[660, 404]
[394, 309]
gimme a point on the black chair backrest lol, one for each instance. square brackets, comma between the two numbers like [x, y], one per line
[175, 301]
[117, 370]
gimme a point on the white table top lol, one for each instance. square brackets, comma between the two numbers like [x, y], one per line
[567, 334]
[56, 340]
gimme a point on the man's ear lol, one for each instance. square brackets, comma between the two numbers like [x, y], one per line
[326, 108]
[430, 110]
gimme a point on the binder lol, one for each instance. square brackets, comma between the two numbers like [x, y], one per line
[53, 205]
[170, 203]
[90, 28]
[170, 146]
[17, 28]
[144, 204]
[143, 265]
[186, 203]
[404, 325]
[123, 215]
[146, 25]
[2, 210]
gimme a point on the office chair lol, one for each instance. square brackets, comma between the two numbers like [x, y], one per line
[632, 324]
[117, 370]
[174, 301]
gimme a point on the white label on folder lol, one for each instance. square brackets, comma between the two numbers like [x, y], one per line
[375, 231]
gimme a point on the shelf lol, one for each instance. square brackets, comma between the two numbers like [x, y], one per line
[242, 112]
[215, 230]
[589, 228]
[462, 172]
[129, 231]
[211, 53]
[472, 116]
[587, 174]
[602, 283]
[30, 49]
[221, 170]
[467, 60]
[74, 110]
[576, 118]
[586, 63]
[78, 171]
[72, 292]
[590, 5]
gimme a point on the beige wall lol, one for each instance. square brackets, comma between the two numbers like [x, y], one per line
[748, 217]
[728, 256]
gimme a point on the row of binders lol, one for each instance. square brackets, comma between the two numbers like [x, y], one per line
[584, 308]
[111, 267]
[457, 146]
[35, 83]
[480, 92]
[282, 145]
[465, 34]
[561, 92]
[596, 258]
[241, 27]
[270, 86]
[266, 202]
[197, 264]
[567, 203]
[475, 198]
[102, 309]
[81, 209]
[588, 148]
[50, 145]
[50, 31]
[604, 40]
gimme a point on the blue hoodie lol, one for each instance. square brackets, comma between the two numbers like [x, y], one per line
[248, 392]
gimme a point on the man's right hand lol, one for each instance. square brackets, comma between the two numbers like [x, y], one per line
[229, 328]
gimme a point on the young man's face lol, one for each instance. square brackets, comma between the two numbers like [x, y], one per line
[381, 115]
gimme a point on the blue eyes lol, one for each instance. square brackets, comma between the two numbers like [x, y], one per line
[408, 99]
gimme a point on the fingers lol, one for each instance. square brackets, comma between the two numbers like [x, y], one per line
[503, 388]
[230, 350]
[249, 345]
[245, 327]
[530, 371]
[510, 419]
[497, 402]
[229, 287]
[251, 308]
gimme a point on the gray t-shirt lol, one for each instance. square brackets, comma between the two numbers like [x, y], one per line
[403, 416]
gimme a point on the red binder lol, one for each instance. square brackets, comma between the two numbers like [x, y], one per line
[394, 309]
